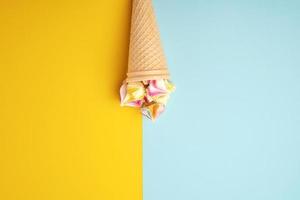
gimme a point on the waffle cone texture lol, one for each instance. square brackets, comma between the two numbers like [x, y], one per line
[146, 59]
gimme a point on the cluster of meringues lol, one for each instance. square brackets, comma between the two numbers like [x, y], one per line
[147, 85]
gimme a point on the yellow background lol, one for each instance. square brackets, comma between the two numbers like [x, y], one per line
[62, 132]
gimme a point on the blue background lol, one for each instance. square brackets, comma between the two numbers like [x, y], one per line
[232, 128]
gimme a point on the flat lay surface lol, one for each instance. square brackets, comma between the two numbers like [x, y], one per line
[63, 134]
[231, 128]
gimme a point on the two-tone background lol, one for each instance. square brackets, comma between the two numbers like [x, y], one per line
[231, 130]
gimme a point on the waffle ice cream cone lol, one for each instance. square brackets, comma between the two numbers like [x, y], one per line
[147, 85]
[146, 57]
